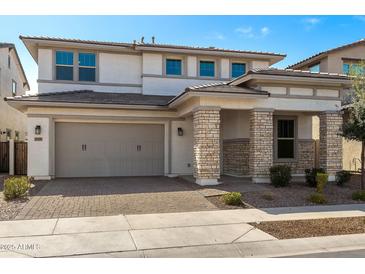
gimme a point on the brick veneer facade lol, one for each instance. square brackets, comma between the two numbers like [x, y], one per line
[236, 153]
[206, 131]
[305, 157]
[330, 142]
[261, 143]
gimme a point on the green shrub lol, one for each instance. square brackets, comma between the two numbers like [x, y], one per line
[359, 195]
[343, 177]
[310, 176]
[15, 187]
[318, 198]
[322, 179]
[232, 198]
[280, 175]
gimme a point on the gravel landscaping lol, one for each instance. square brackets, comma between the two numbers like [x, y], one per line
[10, 209]
[313, 228]
[297, 194]
[219, 203]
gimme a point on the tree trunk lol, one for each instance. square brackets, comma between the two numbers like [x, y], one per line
[362, 165]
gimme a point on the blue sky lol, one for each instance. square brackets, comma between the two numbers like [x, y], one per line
[297, 36]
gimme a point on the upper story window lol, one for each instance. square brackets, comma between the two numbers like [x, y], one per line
[13, 87]
[348, 68]
[285, 141]
[9, 61]
[87, 67]
[314, 68]
[64, 65]
[238, 69]
[207, 68]
[173, 67]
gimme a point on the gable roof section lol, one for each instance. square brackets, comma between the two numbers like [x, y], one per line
[12, 47]
[274, 57]
[225, 87]
[274, 73]
[323, 54]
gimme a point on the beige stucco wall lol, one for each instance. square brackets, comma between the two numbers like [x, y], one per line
[182, 147]
[10, 118]
[351, 155]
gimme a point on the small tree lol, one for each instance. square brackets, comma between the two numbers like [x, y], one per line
[354, 127]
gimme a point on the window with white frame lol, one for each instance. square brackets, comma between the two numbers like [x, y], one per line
[207, 68]
[173, 67]
[87, 67]
[64, 65]
[285, 138]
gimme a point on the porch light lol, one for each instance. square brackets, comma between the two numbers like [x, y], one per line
[180, 131]
[37, 130]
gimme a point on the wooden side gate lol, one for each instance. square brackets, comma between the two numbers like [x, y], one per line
[20, 158]
[4, 157]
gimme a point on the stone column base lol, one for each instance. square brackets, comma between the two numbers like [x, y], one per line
[207, 182]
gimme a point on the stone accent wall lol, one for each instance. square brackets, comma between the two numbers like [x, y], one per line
[330, 142]
[206, 130]
[236, 153]
[305, 157]
[261, 142]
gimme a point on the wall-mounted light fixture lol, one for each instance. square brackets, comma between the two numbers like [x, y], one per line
[180, 131]
[37, 130]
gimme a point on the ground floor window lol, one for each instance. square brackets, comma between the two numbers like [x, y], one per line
[285, 138]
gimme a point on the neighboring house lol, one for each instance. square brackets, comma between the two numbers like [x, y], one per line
[13, 82]
[133, 109]
[339, 60]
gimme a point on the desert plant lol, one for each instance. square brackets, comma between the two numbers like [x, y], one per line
[232, 198]
[342, 177]
[15, 187]
[280, 175]
[322, 179]
[310, 176]
[317, 198]
[359, 195]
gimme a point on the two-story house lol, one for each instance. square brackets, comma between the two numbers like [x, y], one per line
[141, 109]
[339, 60]
[13, 82]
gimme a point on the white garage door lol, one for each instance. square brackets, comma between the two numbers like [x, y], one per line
[100, 150]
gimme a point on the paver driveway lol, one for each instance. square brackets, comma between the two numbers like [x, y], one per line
[80, 197]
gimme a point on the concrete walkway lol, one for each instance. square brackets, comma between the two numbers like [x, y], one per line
[224, 233]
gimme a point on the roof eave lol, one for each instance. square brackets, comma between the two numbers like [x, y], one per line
[22, 104]
[304, 79]
[190, 94]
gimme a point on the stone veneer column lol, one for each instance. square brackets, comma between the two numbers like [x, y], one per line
[206, 132]
[261, 144]
[330, 142]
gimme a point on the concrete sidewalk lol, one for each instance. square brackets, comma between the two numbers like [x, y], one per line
[224, 233]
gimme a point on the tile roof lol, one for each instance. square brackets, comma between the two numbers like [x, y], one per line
[362, 41]
[91, 97]
[224, 87]
[296, 73]
[151, 45]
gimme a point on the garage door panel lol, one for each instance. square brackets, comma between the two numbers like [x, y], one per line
[111, 150]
